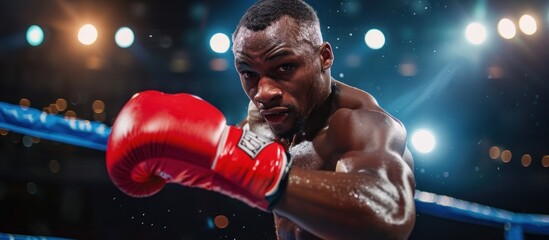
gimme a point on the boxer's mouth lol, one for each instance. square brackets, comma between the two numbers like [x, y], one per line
[274, 116]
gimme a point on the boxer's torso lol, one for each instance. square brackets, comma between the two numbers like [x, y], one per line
[316, 152]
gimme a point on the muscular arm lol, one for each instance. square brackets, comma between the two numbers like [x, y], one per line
[369, 196]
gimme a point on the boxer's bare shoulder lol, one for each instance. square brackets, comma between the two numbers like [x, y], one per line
[360, 124]
[355, 120]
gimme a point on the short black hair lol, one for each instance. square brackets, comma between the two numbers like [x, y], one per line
[264, 12]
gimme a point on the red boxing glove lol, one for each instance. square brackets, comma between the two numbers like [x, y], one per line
[162, 138]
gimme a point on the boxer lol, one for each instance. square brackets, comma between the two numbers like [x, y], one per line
[322, 156]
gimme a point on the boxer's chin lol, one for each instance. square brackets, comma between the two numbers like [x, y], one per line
[286, 129]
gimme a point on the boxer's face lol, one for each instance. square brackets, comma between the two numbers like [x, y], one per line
[280, 72]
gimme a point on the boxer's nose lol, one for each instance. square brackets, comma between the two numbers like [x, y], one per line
[268, 93]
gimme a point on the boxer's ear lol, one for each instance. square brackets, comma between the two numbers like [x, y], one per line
[326, 56]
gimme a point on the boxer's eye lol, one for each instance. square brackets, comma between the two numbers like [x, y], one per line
[247, 74]
[285, 68]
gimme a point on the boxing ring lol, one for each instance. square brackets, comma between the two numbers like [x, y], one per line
[94, 135]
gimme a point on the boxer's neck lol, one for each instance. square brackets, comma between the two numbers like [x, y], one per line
[318, 118]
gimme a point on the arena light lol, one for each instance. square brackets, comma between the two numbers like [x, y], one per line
[423, 141]
[374, 39]
[475, 33]
[527, 24]
[506, 28]
[124, 37]
[220, 43]
[35, 35]
[87, 34]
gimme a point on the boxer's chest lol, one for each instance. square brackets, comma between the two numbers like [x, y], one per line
[304, 156]
[312, 154]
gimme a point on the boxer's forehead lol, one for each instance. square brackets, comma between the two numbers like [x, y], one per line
[283, 33]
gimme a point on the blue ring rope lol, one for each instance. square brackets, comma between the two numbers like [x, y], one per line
[53, 127]
[8, 236]
[94, 135]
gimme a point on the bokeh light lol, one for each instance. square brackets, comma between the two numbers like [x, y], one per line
[220, 43]
[61, 104]
[98, 106]
[4, 132]
[506, 156]
[87, 34]
[27, 141]
[221, 221]
[180, 62]
[24, 103]
[53, 108]
[526, 160]
[219, 64]
[70, 114]
[54, 166]
[198, 11]
[475, 33]
[32, 188]
[35, 35]
[424, 141]
[494, 152]
[94, 63]
[506, 28]
[374, 39]
[545, 161]
[495, 72]
[527, 24]
[124, 37]
[407, 69]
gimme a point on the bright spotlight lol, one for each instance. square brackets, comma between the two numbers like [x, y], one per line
[528, 24]
[87, 34]
[475, 33]
[506, 28]
[374, 39]
[423, 141]
[35, 35]
[124, 37]
[220, 43]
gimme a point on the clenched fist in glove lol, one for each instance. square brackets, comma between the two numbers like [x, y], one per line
[161, 138]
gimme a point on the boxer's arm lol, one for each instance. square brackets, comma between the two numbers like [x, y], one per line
[370, 196]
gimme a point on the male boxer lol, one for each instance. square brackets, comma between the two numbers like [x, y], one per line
[321, 155]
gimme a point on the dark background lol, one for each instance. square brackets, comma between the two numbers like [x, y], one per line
[471, 97]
